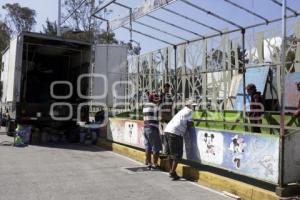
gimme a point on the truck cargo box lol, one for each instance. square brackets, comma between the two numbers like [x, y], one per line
[32, 63]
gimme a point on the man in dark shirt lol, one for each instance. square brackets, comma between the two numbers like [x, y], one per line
[256, 107]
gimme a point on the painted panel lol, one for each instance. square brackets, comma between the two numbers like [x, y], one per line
[126, 131]
[253, 155]
[292, 95]
[251, 77]
[11, 70]
[212, 146]
[4, 75]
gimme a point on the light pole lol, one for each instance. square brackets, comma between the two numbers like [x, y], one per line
[59, 18]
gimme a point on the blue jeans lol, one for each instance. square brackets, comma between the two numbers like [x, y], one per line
[152, 139]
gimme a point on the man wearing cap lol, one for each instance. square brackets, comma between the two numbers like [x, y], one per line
[297, 112]
[151, 131]
[174, 132]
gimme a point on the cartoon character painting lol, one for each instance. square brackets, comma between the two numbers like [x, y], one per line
[268, 162]
[209, 141]
[210, 145]
[237, 147]
[131, 133]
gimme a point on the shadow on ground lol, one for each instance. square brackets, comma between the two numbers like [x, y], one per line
[73, 146]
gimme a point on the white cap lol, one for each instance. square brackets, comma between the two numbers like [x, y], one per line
[190, 103]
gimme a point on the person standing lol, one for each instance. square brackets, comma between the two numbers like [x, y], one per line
[174, 132]
[165, 112]
[151, 131]
[256, 107]
[166, 104]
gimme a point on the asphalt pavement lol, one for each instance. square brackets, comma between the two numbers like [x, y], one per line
[79, 172]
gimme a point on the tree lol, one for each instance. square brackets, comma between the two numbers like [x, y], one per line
[86, 26]
[86, 36]
[4, 41]
[23, 18]
[242, 56]
[4, 37]
[291, 46]
[82, 19]
[133, 47]
[107, 38]
[50, 28]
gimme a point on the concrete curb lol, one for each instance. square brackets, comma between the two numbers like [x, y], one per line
[243, 190]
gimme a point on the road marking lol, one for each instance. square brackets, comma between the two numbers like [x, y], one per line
[211, 190]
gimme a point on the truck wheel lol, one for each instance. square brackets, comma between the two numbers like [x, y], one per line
[9, 128]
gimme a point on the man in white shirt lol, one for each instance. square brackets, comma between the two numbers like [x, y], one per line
[174, 132]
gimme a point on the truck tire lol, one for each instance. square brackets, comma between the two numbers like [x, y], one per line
[10, 128]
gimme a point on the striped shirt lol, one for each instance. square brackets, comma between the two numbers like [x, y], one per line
[150, 112]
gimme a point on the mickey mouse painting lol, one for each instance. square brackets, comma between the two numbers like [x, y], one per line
[209, 139]
[211, 146]
[131, 133]
[237, 146]
[130, 128]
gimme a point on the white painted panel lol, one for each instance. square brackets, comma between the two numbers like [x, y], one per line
[4, 75]
[110, 61]
[11, 70]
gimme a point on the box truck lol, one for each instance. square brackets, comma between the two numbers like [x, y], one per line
[46, 80]
[39, 80]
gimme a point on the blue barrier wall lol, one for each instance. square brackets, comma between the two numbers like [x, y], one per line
[253, 155]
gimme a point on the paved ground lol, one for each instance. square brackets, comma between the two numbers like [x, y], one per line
[75, 172]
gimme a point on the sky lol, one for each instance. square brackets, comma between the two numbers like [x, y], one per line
[48, 9]
[44, 9]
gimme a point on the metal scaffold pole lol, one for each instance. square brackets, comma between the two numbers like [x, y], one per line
[244, 79]
[175, 66]
[59, 18]
[282, 110]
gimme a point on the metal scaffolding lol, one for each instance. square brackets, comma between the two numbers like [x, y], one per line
[165, 6]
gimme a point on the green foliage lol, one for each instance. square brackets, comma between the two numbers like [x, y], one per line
[291, 53]
[4, 39]
[79, 35]
[107, 38]
[242, 55]
[4, 35]
[23, 18]
[50, 28]
[87, 27]
[81, 18]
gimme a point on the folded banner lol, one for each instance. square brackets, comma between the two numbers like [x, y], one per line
[148, 7]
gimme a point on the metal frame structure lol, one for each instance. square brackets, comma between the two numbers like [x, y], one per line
[218, 33]
[179, 52]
